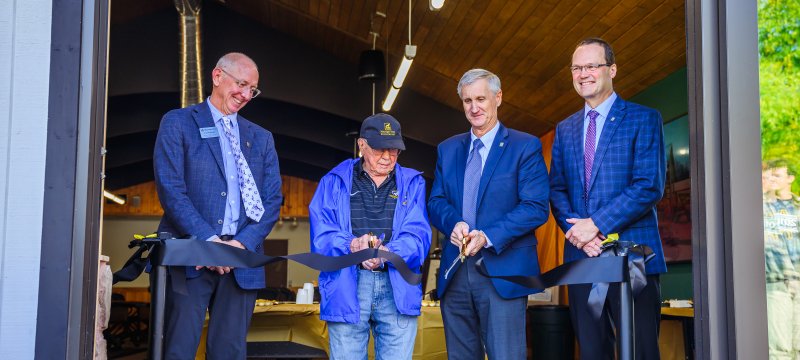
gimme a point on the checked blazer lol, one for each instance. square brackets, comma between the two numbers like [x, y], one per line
[627, 179]
[190, 180]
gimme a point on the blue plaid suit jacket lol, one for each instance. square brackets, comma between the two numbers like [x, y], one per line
[190, 180]
[627, 179]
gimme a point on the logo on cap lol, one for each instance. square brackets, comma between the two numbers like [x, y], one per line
[387, 130]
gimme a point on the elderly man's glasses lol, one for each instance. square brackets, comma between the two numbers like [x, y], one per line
[254, 92]
[380, 152]
[590, 68]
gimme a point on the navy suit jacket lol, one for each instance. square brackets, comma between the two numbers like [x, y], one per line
[190, 179]
[627, 178]
[512, 203]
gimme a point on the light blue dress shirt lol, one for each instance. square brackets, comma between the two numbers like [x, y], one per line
[234, 197]
[603, 109]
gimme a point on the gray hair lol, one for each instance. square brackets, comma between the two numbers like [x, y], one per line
[474, 75]
[234, 58]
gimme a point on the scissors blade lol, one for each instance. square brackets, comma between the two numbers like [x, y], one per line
[455, 261]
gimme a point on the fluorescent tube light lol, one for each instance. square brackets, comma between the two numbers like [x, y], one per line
[390, 97]
[113, 197]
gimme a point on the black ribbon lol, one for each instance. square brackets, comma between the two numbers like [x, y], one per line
[598, 271]
[584, 271]
[135, 264]
[186, 252]
[638, 255]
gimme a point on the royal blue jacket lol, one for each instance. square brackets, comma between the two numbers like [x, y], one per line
[331, 234]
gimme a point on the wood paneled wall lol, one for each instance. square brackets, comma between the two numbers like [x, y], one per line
[297, 194]
[148, 204]
[142, 199]
[137, 294]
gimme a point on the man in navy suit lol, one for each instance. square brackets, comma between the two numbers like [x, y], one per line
[490, 190]
[218, 180]
[606, 176]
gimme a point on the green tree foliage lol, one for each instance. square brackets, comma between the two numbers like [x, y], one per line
[779, 32]
[779, 73]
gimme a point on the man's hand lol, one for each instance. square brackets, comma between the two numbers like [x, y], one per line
[359, 243]
[581, 232]
[371, 264]
[476, 243]
[592, 248]
[223, 269]
[460, 231]
[374, 262]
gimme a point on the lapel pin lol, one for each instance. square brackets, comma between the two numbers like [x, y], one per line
[247, 143]
[612, 119]
[501, 144]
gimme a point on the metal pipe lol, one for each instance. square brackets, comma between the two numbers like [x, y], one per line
[159, 288]
[626, 337]
[191, 55]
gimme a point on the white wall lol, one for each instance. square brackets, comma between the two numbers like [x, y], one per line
[118, 231]
[298, 243]
[24, 86]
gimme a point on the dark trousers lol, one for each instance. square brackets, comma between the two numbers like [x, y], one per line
[475, 316]
[596, 337]
[230, 310]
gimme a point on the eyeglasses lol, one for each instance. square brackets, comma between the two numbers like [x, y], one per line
[254, 91]
[590, 68]
[380, 152]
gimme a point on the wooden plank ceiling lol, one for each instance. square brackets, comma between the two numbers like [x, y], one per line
[528, 43]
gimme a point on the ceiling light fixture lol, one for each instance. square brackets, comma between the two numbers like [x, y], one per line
[435, 5]
[405, 65]
[113, 197]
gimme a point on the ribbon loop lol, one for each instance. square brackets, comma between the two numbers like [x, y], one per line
[620, 261]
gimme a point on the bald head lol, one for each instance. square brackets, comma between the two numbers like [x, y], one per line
[235, 82]
[230, 60]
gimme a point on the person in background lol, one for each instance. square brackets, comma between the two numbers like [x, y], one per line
[365, 203]
[782, 260]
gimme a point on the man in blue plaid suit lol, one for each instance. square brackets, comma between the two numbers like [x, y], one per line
[606, 176]
[218, 180]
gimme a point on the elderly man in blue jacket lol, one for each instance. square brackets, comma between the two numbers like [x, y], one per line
[362, 203]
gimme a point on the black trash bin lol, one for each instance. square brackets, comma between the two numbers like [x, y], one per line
[552, 337]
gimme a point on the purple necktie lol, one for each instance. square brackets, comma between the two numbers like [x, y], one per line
[588, 153]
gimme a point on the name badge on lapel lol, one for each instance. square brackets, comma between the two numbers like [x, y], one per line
[209, 132]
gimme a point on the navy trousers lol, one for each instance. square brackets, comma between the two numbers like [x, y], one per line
[230, 309]
[596, 338]
[478, 321]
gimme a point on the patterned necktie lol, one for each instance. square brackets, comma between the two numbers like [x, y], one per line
[247, 185]
[472, 178]
[588, 152]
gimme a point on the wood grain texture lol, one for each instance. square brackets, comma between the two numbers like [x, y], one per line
[528, 44]
[297, 194]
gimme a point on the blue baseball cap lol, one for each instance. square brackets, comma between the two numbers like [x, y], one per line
[382, 131]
